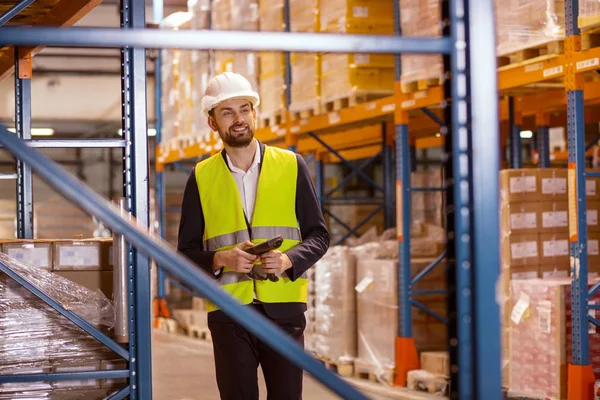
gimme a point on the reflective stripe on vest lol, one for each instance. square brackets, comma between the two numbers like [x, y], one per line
[274, 214]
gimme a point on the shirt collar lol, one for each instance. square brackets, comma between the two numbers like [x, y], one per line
[255, 162]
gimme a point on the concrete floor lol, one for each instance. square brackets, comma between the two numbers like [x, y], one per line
[183, 369]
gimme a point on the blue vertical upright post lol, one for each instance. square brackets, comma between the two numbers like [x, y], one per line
[472, 200]
[482, 127]
[136, 193]
[23, 70]
[157, 8]
[543, 140]
[580, 373]
[388, 178]
[406, 357]
[516, 155]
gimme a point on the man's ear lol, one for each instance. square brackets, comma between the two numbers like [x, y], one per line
[212, 123]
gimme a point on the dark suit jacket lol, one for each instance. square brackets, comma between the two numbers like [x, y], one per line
[315, 238]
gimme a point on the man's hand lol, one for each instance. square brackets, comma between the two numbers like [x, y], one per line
[275, 262]
[235, 259]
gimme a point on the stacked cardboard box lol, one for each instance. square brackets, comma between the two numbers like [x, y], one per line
[347, 75]
[57, 217]
[534, 227]
[306, 69]
[221, 20]
[272, 64]
[420, 18]
[541, 338]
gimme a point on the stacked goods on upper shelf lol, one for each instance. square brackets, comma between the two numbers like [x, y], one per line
[306, 69]
[420, 18]
[589, 13]
[57, 217]
[244, 17]
[221, 21]
[529, 28]
[347, 79]
[272, 66]
[200, 75]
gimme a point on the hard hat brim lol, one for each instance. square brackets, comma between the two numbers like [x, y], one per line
[210, 103]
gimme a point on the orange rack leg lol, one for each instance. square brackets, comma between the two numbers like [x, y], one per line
[580, 383]
[407, 359]
[160, 310]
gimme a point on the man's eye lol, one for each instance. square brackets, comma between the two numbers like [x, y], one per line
[246, 110]
[227, 113]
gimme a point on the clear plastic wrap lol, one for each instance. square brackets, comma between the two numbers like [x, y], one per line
[422, 19]
[335, 297]
[523, 24]
[589, 13]
[36, 338]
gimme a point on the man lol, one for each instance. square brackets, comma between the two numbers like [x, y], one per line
[243, 195]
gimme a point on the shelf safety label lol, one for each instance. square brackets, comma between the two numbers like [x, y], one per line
[408, 103]
[388, 108]
[592, 62]
[553, 71]
[534, 67]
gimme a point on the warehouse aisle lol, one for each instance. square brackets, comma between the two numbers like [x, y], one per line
[183, 369]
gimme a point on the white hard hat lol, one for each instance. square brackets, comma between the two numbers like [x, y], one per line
[225, 86]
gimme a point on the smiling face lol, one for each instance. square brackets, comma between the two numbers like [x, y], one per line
[234, 119]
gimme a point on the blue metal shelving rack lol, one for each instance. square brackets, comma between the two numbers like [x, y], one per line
[472, 186]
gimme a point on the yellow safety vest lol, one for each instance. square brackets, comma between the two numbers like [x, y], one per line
[274, 214]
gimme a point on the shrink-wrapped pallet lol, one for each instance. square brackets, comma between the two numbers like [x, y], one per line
[272, 64]
[377, 307]
[356, 77]
[529, 25]
[244, 17]
[420, 18]
[335, 298]
[304, 17]
[589, 13]
[53, 343]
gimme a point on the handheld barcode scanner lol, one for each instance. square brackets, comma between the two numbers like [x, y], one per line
[260, 249]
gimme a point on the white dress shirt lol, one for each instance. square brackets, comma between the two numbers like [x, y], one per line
[247, 182]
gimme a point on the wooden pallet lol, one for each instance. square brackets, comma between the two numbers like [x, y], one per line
[304, 114]
[354, 99]
[373, 374]
[410, 86]
[424, 381]
[275, 119]
[590, 38]
[342, 368]
[532, 54]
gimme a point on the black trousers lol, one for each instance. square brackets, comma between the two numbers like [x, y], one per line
[238, 353]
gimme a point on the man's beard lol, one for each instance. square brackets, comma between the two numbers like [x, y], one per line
[236, 139]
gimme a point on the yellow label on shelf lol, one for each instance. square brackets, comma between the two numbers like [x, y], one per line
[572, 186]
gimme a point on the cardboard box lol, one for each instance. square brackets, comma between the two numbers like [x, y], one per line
[521, 217]
[93, 280]
[592, 186]
[553, 183]
[37, 253]
[521, 250]
[519, 185]
[592, 216]
[554, 249]
[436, 362]
[554, 216]
[555, 271]
[520, 272]
[73, 255]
